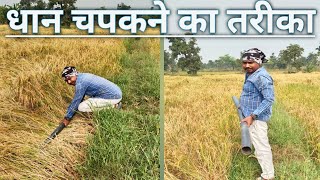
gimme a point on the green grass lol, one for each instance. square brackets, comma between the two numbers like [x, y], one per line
[139, 78]
[125, 146]
[292, 158]
[126, 143]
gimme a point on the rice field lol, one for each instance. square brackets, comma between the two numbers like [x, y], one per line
[33, 100]
[202, 134]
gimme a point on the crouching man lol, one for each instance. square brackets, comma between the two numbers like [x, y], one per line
[102, 92]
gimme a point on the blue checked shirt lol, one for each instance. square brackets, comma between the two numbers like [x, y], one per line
[93, 86]
[257, 95]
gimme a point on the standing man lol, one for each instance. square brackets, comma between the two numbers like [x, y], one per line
[102, 92]
[256, 104]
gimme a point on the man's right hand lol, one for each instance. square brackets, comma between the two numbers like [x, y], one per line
[65, 122]
[248, 120]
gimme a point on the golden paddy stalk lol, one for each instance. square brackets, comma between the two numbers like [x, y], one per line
[199, 119]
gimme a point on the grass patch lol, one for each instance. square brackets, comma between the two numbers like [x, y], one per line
[126, 143]
[125, 146]
[292, 159]
[139, 77]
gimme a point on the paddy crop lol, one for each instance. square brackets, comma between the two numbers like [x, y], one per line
[202, 134]
[33, 100]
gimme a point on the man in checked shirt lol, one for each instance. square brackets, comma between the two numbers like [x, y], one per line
[256, 104]
[102, 93]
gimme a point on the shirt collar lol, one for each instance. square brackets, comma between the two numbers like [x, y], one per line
[254, 73]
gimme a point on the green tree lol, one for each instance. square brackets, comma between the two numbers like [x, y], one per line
[276, 62]
[40, 5]
[66, 6]
[27, 4]
[178, 45]
[187, 54]
[272, 61]
[169, 63]
[292, 56]
[15, 6]
[226, 62]
[193, 58]
[102, 8]
[33, 5]
[123, 6]
[311, 62]
[210, 64]
[3, 14]
[4, 10]
[318, 49]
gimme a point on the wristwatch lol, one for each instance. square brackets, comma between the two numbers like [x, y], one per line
[253, 116]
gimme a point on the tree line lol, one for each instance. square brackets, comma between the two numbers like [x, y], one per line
[183, 55]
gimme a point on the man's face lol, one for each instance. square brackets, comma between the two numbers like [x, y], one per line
[250, 66]
[71, 80]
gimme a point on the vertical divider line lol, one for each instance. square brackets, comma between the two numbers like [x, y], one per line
[161, 108]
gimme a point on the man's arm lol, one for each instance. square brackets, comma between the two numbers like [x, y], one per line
[265, 86]
[73, 107]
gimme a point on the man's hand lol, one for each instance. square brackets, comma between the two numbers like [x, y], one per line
[248, 120]
[65, 122]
